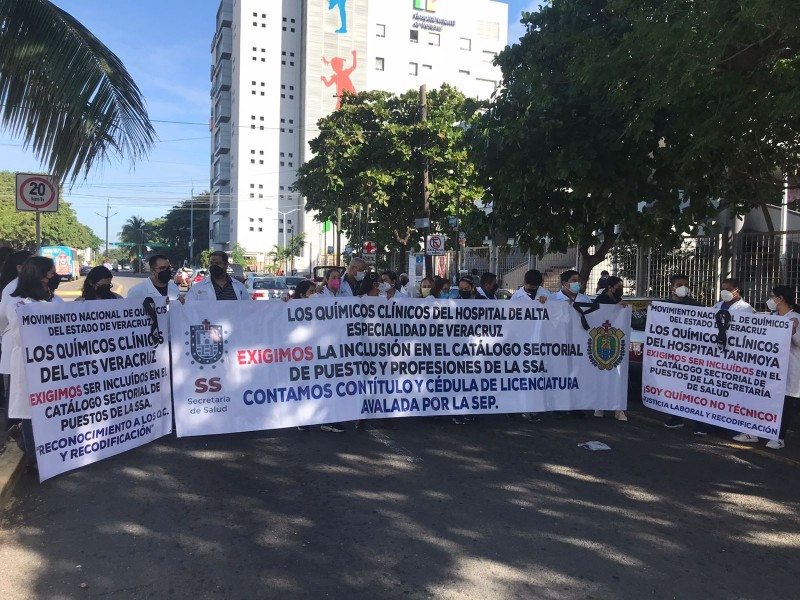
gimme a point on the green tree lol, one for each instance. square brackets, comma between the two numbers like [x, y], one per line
[174, 229]
[368, 162]
[564, 160]
[60, 228]
[65, 93]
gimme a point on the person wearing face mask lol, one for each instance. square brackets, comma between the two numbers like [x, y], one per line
[159, 284]
[353, 277]
[487, 287]
[425, 287]
[218, 285]
[679, 294]
[405, 285]
[35, 284]
[533, 288]
[388, 287]
[466, 289]
[439, 289]
[612, 294]
[331, 284]
[97, 286]
[782, 303]
[570, 288]
[679, 291]
[731, 297]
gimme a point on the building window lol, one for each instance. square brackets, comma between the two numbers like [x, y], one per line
[413, 36]
[427, 67]
[412, 68]
[379, 66]
[380, 30]
[252, 195]
[260, 229]
[260, 220]
[252, 162]
[252, 228]
[463, 72]
[465, 44]
[434, 39]
[489, 56]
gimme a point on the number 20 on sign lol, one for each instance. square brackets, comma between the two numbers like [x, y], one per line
[36, 193]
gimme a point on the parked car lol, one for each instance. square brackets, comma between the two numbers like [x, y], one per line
[199, 275]
[84, 270]
[292, 281]
[267, 288]
[319, 272]
[237, 272]
[126, 268]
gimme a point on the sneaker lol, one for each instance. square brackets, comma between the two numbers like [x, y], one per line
[599, 413]
[775, 444]
[745, 437]
[303, 428]
[458, 420]
[673, 422]
[332, 427]
[620, 415]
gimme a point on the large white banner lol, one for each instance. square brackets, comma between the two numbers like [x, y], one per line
[264, 365]
[98, 378]
[719, 367]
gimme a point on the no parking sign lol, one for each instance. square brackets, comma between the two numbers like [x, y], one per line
[434, 245]
[36, 193]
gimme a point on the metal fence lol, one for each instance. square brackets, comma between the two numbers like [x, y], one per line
[760, 261]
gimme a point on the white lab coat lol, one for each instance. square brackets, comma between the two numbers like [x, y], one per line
[521, 294]
[204, 290]
[19, 405]
[146, 289]
[5, 327]
[738, 305]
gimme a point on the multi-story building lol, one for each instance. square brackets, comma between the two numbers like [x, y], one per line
[278, 66]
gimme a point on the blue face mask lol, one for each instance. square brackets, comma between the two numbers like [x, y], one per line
[453, 293]
[575, 287]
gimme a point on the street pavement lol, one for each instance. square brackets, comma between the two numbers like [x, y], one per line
[495, 509]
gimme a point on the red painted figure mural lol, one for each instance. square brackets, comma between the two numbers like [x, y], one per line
[340, 77]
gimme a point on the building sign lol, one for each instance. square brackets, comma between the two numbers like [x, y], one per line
[429, 21]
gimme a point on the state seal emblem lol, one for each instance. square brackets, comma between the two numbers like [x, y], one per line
[606, 346]
[207, 345]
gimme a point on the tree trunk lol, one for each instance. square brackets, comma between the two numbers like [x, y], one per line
[590, 261]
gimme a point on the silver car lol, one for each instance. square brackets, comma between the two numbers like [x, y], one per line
[267, 288]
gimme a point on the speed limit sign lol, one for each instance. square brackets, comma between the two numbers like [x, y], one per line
[36, 193]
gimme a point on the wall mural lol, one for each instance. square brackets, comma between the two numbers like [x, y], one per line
[342, 13]
[340, 77]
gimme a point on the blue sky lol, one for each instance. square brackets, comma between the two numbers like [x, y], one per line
[166, 47]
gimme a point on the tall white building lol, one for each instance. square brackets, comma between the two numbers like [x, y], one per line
[277, 69]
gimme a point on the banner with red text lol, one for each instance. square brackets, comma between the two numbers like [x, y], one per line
[264, 365]
[719, 367]
[98, 379]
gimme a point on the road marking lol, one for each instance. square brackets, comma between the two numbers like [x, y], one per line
[391, 445]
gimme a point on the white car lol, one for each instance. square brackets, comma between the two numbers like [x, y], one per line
[267, 288]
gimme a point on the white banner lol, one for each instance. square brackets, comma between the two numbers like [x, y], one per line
[268, 365]
[98, 378]
[736, 380]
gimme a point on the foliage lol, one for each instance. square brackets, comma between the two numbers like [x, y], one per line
[368, 162]
[65, 93]
[235, 256]
[19, 228]
[607, 104]
[175, 227]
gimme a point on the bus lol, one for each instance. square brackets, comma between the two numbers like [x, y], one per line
[66, 260]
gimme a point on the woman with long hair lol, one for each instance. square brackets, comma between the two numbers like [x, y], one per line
[98, 284]
[37, 282]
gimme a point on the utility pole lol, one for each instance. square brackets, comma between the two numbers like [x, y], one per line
[107, 217]
[338, 261]
[423, 117]
[191, 227]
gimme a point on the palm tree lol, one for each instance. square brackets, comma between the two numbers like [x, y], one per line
[65, 93]
[133, 230]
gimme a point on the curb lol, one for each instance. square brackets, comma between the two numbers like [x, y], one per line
[12, 466]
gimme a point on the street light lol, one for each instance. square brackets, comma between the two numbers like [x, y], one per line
[282, 215]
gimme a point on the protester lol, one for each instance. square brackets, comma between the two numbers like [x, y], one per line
[97, 285]
[36, 283]
[466, 289]
[488, 286]
[389, 286]
[425, 287]
[570, 288]
[331, 283]
[731, 297]
[440, 288]
[406, 287]
[353, 277]
[612, 294]
[8, 283]
[159, 284]
[679, 294]
[218, 285]
[533, 289]
[602, 283]
[369, 286]
[783, 303]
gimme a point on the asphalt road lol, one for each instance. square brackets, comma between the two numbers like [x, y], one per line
[496, 509]
[122, 282]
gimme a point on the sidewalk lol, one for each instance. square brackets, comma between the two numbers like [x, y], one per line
[11, 467]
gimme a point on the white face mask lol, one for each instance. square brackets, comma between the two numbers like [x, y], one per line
[384, 287]
[360, 276]
[771, 304]
[682, 291]
[726, 296]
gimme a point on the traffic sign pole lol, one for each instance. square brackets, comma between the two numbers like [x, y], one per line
[38, 232]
